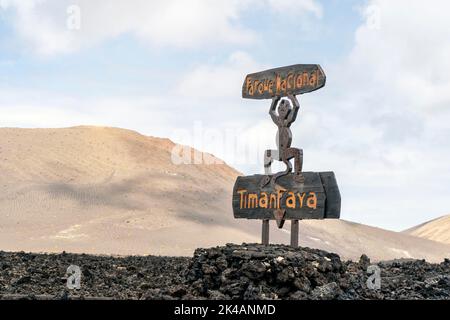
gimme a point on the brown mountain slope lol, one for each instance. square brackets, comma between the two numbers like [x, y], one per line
[436, 229]
[114, 191]
[350, 239]
[105, 190]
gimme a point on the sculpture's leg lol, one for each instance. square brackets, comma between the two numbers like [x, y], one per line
[297, 154]
[285, 156]
[269, 156]
[268, 162]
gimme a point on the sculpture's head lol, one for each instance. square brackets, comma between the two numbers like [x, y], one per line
[284, 108]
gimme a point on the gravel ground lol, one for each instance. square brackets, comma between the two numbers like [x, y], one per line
[247, 271]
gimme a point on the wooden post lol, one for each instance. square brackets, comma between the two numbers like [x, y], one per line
[294, 233]
[265, 232]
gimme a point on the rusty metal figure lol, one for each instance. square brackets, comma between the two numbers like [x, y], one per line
[287, 113]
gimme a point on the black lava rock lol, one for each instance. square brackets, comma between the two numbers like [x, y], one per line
[247, 271]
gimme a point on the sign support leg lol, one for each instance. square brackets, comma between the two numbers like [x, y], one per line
[265, 232]
[294, 233]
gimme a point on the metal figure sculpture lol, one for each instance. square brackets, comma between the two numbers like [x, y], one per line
[287, 113]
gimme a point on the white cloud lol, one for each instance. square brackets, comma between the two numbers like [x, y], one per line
[218, 81]
[41, 109]
[43, 24]
[296, 6]
[405, 52]
[178, 23]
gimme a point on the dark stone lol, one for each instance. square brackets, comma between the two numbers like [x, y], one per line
[177, 291]
[326, 292]
[22, 280]
[298, 295]
[254, 270]
[364, 262]
[286, 275]
[303, 284]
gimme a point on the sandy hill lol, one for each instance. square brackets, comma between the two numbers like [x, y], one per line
[114, 191]
[437, 230]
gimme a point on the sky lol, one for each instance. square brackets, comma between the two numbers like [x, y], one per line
[175, 69]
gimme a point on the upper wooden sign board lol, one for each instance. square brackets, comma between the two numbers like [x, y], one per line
[295, 79]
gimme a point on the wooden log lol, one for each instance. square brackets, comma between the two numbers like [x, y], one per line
[317, 198]
[294, 79]
[294, 233]
[265, 232]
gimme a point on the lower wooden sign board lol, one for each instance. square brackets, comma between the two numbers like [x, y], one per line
[317, 197]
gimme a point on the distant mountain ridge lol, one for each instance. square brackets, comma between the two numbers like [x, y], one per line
[437, 230]
[114, 191]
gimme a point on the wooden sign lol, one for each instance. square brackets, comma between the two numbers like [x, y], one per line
[317, 198]
[285, 195]
[295, 79]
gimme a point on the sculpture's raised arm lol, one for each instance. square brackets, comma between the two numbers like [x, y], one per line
[296, 106]
[273, 106]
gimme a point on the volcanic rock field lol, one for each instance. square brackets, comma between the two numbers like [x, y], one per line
[247, 271]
